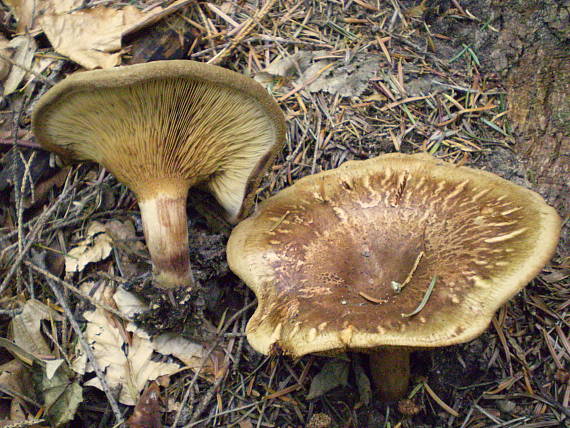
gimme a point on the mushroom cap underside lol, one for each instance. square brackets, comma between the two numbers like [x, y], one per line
[323, 255]
[166, 125]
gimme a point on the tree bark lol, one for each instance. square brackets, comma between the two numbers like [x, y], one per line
[533, 57]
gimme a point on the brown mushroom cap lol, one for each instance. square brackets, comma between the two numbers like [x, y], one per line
[322, 254]
[161, 128]
[181, 120]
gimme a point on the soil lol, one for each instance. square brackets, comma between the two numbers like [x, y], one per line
[509, 372]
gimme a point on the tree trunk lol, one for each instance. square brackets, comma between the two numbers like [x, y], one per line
[533, 57]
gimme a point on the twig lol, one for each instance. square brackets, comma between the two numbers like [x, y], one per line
[26, 143]
[371, 298]
[243, 32]
[205, 358]
[32, 235]
[87, 350]
[77, 291]
[26, 69]
[399, 287]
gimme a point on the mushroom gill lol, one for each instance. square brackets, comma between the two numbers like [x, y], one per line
[161, 128]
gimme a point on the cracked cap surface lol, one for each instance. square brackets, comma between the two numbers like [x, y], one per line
[322, 254]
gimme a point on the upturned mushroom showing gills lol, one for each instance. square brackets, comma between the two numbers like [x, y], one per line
[161, 128]
[387, 255]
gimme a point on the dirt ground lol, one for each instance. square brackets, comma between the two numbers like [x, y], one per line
[393, 76]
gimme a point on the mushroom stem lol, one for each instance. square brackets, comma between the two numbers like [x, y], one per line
[166, 232]
[390, 370]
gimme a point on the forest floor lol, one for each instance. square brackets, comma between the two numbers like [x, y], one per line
[355, 79]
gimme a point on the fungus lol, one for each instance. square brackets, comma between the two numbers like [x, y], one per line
[161, 128]
[387, 255]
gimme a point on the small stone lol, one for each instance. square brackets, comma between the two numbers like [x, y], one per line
[320, 420]
[506, 406]
[408, 408]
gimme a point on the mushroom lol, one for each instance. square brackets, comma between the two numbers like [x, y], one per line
[387, 255]
[161, 128]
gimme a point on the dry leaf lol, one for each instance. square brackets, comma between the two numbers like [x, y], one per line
[125, 235]
[26, 12]
[5, 50]
[191, 354]
[26, 326]
[130, 247]
[129, 303]
[333, 374]
[15, 376]
[96, 247]
[147, 413]
[128, 367]
[291, 65]
[25, 48]
[134, 366]
[121, 230]
[348, 80]
[92, 37]
[23, 11]
[60, 6]
[60, 393]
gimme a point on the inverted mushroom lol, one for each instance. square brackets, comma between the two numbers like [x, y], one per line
[161, 128]
[387, 255]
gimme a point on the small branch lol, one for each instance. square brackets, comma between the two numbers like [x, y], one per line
[32, 235]
[26, 69]
[245, 29]
[399, 287]
[26, 143]
[77, 291]
[202, 405]
[87, 349]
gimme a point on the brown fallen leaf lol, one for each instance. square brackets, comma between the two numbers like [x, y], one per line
[15, 376]
[6, 51]
[24, 49]
[26, 12]
[127, 366]
[25, 327]
[148, 410]
[23, 11]
[130, 250]
[314, 72]
[42, 189]
[92, 37]
[94, 248]
[192, 354]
